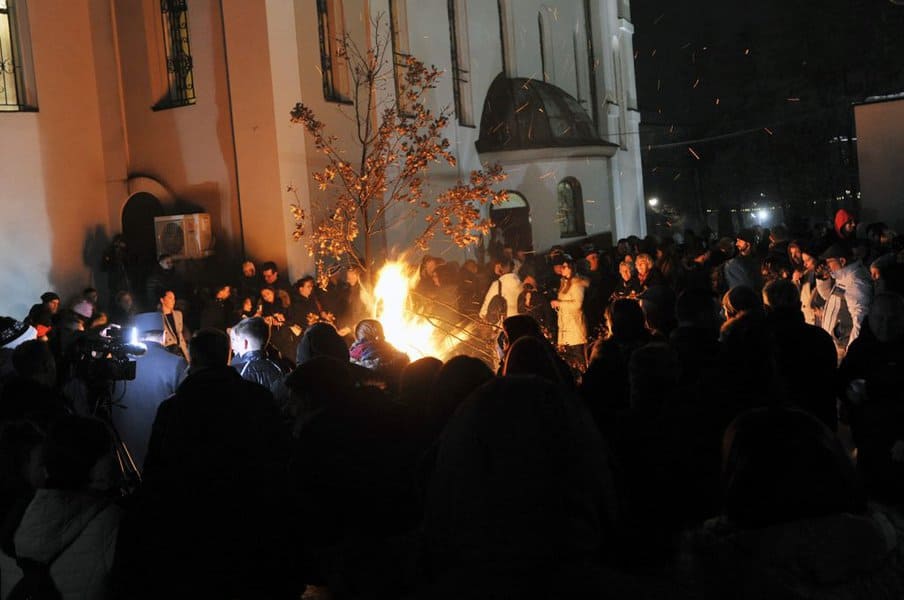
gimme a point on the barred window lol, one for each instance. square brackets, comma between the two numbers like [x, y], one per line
[398, 29]
[180, 84]
[16, 77]
[545, 33]
[331, 31]
[461, 62]
[570, 213]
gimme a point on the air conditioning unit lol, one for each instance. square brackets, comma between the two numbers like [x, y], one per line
[184, 236]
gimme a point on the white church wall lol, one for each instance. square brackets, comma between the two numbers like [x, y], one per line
[57, 178]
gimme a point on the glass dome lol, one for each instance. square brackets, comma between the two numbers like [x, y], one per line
[521, 113]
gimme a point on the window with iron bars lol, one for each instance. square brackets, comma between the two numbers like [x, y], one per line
[461, 74]
[398, 31]
[332, 68]
[179, 77]
[14, 91]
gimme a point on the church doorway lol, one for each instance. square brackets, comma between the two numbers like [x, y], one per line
[141, 241]
[511, 225]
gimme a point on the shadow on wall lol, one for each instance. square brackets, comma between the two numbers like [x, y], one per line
[96, 242]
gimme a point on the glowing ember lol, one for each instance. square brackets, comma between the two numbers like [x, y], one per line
[407, 331]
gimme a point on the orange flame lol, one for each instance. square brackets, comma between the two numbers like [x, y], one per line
[406, 330]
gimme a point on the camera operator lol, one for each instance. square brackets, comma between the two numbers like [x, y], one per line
[157, 375]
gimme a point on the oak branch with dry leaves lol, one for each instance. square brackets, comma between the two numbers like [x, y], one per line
[394, 149]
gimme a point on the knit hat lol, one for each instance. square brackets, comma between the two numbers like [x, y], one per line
[13, 332]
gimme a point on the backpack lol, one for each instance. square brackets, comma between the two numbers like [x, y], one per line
[498, 306]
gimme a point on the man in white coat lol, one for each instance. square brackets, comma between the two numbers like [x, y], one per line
[507, 284]
[848, 295]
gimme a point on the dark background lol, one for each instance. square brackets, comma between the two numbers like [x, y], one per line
[762, 92]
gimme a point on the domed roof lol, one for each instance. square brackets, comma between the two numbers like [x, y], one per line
[521, 113]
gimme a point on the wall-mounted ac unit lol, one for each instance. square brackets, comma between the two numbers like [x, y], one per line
[184, 236]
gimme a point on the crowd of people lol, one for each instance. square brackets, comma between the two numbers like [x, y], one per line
[687, 417]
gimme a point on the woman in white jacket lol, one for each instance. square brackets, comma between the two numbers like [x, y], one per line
[569, 304]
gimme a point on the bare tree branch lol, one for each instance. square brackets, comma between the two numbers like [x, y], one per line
[394, 153]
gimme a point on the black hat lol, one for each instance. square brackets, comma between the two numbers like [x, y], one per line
[48, 296]
[11, 330]
[836, 251]
[747, 235]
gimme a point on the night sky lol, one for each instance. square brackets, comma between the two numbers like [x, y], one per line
[751, 102]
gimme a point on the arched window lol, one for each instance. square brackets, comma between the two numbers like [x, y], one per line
[511, 223]
[570, 214]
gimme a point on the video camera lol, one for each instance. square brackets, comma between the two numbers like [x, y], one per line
[107, 356]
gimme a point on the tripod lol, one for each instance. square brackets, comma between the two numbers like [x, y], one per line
[100, 394]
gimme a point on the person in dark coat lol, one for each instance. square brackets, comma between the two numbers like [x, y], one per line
[157, 376]
[744, 268]
[358, 299]
[249, 285]
[352, 474]
[212, 519]
[530, 355]
[534, 304]
[870, 392]
[469, 289]
[219, 312]
[806, 358]
[29, 391]
[416, 382]
[321, 339]
[602, 284]
[648, 274]
[521, 502]
[306, 307]
[456, 379]
[123, 309]
[626, 285]
[249, 339]
[795, 522]
[695, 339]
[50, 302]
[116, 263]
[605, 383]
